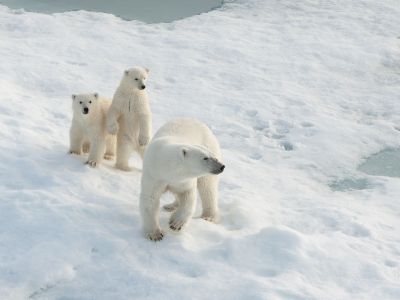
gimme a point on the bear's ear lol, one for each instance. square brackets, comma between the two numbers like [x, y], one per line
[126, 72]
[96, 95]
[147, 70]
[73, 96]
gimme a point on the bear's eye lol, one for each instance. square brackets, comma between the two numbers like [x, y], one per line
[136, 79]
[205, 158]
[80, 102]
[90, 102]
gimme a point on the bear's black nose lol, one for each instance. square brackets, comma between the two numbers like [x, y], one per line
[143, 87]
[85, 110]
[218, 169]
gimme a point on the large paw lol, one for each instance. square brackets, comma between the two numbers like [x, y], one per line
[143, 140]
[112, 128]
[77, 152]
[108, 156]
[86, 148]
[176, 222]
[123, 167]
[210, 217]
[170, 207]
[156, 235]
[92, 163]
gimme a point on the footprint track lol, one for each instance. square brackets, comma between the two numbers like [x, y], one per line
[274, 130]
[277, 131]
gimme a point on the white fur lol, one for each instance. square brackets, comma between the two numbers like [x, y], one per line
[130, 117]
[175, 162]
[88, 131]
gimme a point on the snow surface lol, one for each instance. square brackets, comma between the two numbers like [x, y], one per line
[299, 93]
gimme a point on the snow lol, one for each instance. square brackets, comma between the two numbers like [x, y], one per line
[299, 95]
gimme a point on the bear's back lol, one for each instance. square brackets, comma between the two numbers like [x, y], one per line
[189, 131]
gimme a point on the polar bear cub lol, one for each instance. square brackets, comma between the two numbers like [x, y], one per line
[130, 117]
[88, 130]
[183, 156]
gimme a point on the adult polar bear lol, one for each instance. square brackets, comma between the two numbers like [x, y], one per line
[130, 116]
[182, 156]
[88, 129]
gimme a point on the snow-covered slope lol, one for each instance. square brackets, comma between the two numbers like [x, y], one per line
[298, 93]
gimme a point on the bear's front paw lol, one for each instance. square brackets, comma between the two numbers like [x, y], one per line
[77, 152]
[112, 128]
[170, 207]
[156, 235]
[143, 140]
[176, 223]
[123, 167]
[86, 148]
[91, 163]
[210, 217]
[108, 156]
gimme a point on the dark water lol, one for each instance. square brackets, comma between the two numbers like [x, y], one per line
[350, 184]
[149, 11]
[384, 163]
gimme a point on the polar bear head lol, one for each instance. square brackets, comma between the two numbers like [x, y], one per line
[83, 104]
[197, 161]
[135, 78]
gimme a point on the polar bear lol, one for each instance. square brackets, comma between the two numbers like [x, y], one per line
[88, 129]
[130, 117]
[183, 155]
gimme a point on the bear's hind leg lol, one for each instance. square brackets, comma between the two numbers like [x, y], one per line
[76, 139]
[172, 206]
[97, 149]
[184, 211]
[208, 190]
[111, 142]
[86, 146]
[124, 150]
